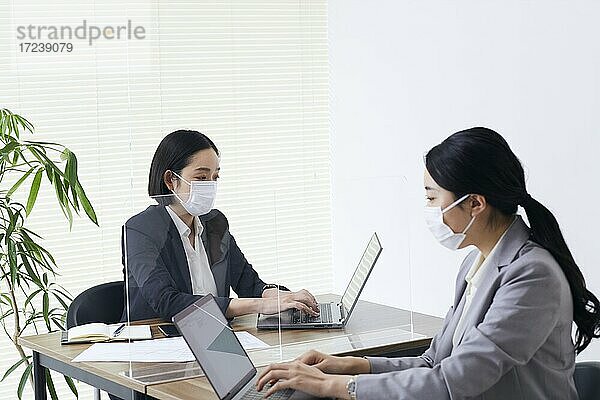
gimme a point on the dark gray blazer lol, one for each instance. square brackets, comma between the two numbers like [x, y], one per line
[516, 343]
[158, 272]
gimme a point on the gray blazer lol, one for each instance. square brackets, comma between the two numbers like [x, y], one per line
[515, 343]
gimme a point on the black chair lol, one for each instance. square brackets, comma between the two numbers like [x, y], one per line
[102, 303]
[587, 380]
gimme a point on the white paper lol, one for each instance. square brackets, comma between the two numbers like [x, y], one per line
[250, 341]
[157, 350]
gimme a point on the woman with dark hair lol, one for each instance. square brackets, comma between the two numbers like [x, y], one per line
[181, 249]
[508, 333]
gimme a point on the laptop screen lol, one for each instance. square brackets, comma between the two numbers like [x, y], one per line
[215, 346]
[366, 263]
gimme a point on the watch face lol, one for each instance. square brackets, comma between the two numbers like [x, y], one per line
[351, 386]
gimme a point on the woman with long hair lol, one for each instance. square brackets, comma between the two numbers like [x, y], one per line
[508, 332]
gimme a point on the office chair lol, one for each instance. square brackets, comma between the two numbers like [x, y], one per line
[102, 303]
[587, 376]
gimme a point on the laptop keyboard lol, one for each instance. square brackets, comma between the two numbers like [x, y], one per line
[253, 394]
[325, 315]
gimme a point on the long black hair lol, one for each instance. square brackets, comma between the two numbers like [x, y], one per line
[479, 160]
[173, 154]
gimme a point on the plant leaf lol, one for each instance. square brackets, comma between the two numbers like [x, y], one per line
[30, 297]
[12, 262]
[23, 380]
[13, 367]
[60, 300]
[24, 123]
[19, 182]
[31, 273]
[6, 150]
[46, 306]
[50, 174]
[64, 155]
[87, 206]
[35, 188]
[50, 384]
[72, 386]
[59, 324]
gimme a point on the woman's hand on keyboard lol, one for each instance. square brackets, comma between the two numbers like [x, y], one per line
[303, 296]
[301, 300]
[335, 365]
[299, 376]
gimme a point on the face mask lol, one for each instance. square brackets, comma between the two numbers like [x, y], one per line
[201, 198]
[434, 218]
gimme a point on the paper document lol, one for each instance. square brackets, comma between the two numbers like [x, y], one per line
[250, 341]
[157, 350]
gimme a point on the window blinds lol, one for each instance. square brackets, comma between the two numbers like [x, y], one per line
[252, 75]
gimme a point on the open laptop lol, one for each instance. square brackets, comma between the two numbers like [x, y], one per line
[220, 353]
[331, 315]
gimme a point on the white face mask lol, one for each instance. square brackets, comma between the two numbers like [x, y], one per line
[434, 218]
[201, 198]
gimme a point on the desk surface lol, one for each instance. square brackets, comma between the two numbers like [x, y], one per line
[373, 329]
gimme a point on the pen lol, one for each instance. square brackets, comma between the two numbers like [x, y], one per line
[119, 330]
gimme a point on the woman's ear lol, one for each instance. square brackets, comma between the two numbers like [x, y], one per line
[168, 179]
[477, 204]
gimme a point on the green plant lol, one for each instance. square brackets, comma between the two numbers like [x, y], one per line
[27, 269]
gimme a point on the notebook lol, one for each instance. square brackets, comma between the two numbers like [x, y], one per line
[99, 332]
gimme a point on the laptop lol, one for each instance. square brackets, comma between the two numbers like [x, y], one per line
[220, 353]
[331, 315]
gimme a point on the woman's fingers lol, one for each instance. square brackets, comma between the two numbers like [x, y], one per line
[303, 307]
[280, 385]
[295, 375]
[273, 372]
[307, 298]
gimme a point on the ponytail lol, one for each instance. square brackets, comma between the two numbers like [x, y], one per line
[479, 160]
[586, 307]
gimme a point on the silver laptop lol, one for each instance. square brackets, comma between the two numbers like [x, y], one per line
[220, 354]
[331, 315]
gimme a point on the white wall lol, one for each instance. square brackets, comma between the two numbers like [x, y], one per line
[406, 74]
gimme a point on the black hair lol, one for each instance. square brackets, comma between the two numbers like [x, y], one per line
[479, 160]
[173, 154]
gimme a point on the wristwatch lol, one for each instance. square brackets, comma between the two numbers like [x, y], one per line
[270, 286]
[351, 388]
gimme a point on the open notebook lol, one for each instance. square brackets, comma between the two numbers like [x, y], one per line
[99, 332]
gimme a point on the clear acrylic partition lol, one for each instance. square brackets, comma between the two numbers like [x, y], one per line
[154, 261]
[153, 245]
[383, 314]
[362, 206]
[375, 204]
[320, 254]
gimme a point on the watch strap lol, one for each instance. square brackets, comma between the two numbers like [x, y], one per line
[351, 387]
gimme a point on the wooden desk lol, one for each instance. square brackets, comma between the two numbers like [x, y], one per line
[373, 329]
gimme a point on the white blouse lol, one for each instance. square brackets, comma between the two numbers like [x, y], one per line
[203, 281]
